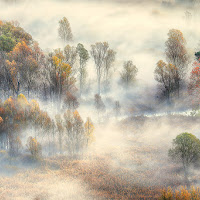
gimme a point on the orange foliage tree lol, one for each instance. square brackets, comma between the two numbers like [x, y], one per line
[194, 84]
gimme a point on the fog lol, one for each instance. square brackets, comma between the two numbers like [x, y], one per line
[132, 143]
[134, 31]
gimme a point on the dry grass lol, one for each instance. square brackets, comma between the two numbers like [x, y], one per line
[136, 167]
[41, 185]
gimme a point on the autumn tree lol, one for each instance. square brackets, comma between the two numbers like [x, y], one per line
[101, 52]
[34, 147]
[194, 84]
[89, 131]
[22, 60]
[13, 76]
[186, 149]
[71, 101]
[83, 59]
[58, 76]
[64, 30]
[70, 54]
[11, 34]
[177, 55]
[62, 72]
[15, 118]
[128, 75]
[75, 138]
[166, 74]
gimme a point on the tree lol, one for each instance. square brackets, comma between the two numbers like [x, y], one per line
[108, 63]
[89, 129]
[128, 74]
[64, 30]
[71, 101]
[166, 74]
[99, 104]
[194, 84]
[11, 34]
[13, 76]
[26, 67]
[70, 55]
[197, 55]
[99, 53]
[62, 72]
[83, 59]
[75, 140]
[177, 55]
[7, 43]
[34, 147]
[186, 149]
[117, 109]
[60, 128]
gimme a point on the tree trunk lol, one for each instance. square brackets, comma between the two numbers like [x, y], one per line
[186, 180]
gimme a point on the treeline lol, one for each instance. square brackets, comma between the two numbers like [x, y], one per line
[56, 75]
[172, 74]
[67, 133]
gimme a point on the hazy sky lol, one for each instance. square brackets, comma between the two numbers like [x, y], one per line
[136, 31]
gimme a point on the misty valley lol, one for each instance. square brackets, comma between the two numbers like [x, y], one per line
[99, 100]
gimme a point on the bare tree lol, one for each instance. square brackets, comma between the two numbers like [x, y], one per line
[99, 52]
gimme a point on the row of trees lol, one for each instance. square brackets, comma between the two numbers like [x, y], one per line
[65, 133]
[25, 68]
[172, 75]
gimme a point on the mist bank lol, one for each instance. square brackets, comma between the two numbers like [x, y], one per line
[135, 33]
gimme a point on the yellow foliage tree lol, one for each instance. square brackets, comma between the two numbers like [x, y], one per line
[34, 147]
[89, 130]
[1, 120]
[22, 101]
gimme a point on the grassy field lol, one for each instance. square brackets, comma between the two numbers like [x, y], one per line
[129, 160]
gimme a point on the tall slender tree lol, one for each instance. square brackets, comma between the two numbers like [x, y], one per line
[176, 54]
[64, 31]
[83, 59]
[100, 53]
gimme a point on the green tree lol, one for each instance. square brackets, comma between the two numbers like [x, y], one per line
[83, 59]
[7, 43]
[186, 149]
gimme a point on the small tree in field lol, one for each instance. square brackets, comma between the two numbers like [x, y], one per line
[34, 147]
[186, 149]
[129, 73]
